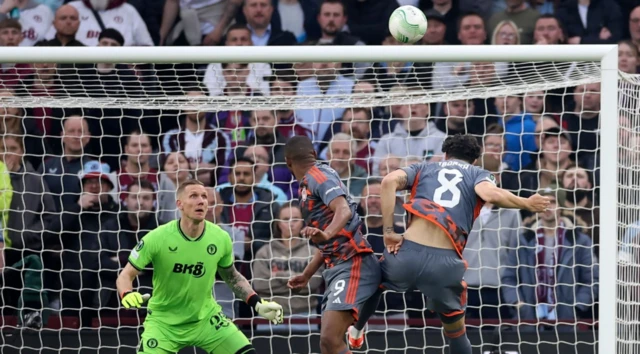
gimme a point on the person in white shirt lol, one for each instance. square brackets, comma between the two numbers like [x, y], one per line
[36, 19]
[238, 35]
[114, 14]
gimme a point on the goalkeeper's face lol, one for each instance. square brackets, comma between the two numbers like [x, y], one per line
[193, 202]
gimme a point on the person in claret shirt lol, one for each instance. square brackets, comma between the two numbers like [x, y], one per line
[284, 84]
[356, 122]
[247, 207]
[135, 166]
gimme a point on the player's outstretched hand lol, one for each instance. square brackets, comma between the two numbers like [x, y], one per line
[297, 282]
[134, 299]
[538, 203]
[316, 235]
[271, 311]
[393, 241]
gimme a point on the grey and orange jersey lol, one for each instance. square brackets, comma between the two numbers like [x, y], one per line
[444, 193]
[321, 185]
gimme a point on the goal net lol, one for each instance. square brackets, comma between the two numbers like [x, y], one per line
[94, 153]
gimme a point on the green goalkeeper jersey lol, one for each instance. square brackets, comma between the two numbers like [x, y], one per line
[184, 271]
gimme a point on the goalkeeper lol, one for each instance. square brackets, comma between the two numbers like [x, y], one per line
[186, 255]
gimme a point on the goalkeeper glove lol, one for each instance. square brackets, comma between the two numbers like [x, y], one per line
[270, 310]
[134, 299]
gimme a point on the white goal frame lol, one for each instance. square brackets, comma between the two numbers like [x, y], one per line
[607, 55]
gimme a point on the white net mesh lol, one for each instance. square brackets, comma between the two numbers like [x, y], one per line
[67, 235]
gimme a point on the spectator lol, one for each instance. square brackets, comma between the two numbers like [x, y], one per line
[260, 155]
[6, 196]
[31, 224]
[247, 207]
[581, 199]
[81, 226]
[553, 275]
[584, 123]
[112, 14]
[534, 104]
[634, 25]
[548, 30]
[471, 31]
[205, 145]
[287, 255]
[520, 14]
[237, 35]
[120, 235]
[542, 125]
[175, 170]
[494, 235]
[357, 123]
[416, 136]
[136, 166]
[461, 118]
[437, 29]
[519, 128]
[195, 20]
[66, 23]
[368, 19]
[60, 172]
[340, 156]
[506, 33]
[591, 21]
[265, 134]
[333, 20]
[326, 81]
[35, 19]
[553, 160]
[258, 14]
[388, 164]
[11, 36]
[284, 84]
[493, 145]
[446, 14]
[628, 57]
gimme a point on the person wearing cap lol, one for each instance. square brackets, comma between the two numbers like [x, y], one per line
[82, 224]
[437, 29]
[554, 274]
[446, 13]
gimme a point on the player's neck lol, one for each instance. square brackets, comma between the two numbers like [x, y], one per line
[190, 228]
[302, 170]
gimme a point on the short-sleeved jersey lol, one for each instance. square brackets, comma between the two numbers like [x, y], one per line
[184, 271]
[444, 193]
[320, 185]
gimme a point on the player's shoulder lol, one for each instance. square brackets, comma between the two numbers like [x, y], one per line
[320, 173]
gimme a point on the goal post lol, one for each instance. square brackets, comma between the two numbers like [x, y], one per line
[543, 68]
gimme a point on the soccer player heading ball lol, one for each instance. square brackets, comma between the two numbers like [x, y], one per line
[333, 225]
[446, 198]
[186, 254]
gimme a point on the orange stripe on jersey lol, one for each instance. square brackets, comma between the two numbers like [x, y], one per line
[463, 296]
[410, 209]
[353, 280]
[318, 175]
[415, 185]
[478, 208]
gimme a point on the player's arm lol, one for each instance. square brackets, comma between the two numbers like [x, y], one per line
[341, 216]
[242, 289]
[391, 184]
[490, 193]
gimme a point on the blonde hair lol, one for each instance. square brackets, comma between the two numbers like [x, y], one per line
[500, 25]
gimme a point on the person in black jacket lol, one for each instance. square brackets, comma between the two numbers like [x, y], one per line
[602, 24]
[258, 14]
[120, 235]
[247, 207]
[368, 19]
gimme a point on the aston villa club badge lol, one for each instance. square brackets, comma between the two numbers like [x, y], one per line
[303, 194]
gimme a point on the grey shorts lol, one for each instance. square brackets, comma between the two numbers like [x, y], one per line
[351, 283]
[438, 273]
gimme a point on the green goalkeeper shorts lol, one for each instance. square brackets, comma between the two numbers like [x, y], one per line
[217, 335]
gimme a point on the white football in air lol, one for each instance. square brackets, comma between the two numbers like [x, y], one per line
[408, 24]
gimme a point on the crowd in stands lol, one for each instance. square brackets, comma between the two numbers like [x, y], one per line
[81, 186]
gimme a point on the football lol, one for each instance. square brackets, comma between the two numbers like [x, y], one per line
[407, 24]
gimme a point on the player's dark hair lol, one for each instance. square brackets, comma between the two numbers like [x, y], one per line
[299, 148]
[187, 183]
[462, 147]
[275, 230]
